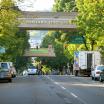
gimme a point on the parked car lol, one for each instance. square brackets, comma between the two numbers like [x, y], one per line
[95, 73]
[32, 70]
[101, 78]
[5, 73]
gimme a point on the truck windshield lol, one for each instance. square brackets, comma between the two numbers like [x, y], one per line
[4, 66]
[100, 68]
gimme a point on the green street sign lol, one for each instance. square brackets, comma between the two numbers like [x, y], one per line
[2, 50]
[76, 39]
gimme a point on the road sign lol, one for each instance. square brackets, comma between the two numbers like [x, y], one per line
[2, 50]
[76, 39]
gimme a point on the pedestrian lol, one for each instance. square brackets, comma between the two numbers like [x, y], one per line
[37, 47]
[39, 68]
[71, 69]
[61, 70]
[13, 71]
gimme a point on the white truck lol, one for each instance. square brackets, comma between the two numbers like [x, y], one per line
[84, 61]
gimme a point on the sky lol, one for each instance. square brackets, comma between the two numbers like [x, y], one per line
[37, 5]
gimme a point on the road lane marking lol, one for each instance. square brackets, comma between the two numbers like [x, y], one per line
[78, 98]
[73, 95]
[56, 83]
[63, 87]
[50, 78]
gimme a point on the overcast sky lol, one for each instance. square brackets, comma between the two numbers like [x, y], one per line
[37, 5]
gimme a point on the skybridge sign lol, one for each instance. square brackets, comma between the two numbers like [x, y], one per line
[47, 20]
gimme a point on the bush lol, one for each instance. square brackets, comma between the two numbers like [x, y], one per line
[46, 70]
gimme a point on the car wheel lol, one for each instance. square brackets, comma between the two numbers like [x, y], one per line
[92, 78]
[10, 80]
[100, 79]
[95, 78]
[13, 76]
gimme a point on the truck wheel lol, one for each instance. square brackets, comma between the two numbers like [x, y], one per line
[13, 76]
[95, 78]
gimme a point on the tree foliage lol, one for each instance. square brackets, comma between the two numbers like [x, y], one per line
[64, 36]
[60, 59]
[64, 6]
[8, 18]
[90, 21]
[14, 40]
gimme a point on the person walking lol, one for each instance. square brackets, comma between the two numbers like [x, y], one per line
[39, 68]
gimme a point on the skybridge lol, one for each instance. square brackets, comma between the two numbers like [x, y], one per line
[47, 20]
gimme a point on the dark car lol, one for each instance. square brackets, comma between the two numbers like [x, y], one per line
[101, 77]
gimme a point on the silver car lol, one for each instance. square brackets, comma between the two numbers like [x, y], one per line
[5, 73]
[32, 70]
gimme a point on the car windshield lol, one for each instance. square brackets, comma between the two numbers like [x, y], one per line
[4, 66]
[100, 68]
[32, 67]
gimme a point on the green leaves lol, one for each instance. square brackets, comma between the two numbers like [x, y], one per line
[64, 5]
[8, 17]
[60, 59]
[14, 40]
[90, 20]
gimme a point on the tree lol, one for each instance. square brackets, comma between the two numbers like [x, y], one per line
[60, 59]
[64, 36]
[14, 40]
[90, 21]
[15, 48]
[8, 18]
[64, 6]
[8, 24]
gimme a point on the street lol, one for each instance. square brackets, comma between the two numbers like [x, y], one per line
[52, 51]
[53, 89]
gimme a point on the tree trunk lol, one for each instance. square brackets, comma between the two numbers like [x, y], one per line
[84, 40]
[92, 44]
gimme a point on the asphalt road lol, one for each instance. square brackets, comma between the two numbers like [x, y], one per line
[52, 90]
